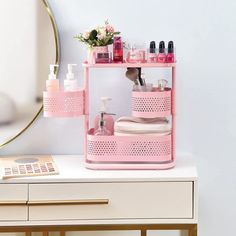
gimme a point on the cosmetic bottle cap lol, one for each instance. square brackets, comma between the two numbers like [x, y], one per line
[70, 74]
[104, 103]
[162, 47]
[117, 38]
[171, 47]
[152, 47]
[52, 74]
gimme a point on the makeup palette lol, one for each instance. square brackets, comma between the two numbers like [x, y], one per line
[31, 165]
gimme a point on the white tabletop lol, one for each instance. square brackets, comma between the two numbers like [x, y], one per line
[71, 169]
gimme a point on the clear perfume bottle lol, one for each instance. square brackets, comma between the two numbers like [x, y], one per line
[102, 130]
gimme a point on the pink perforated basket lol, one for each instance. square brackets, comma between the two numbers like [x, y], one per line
[63, 104]
[151, 104]
[135, 149]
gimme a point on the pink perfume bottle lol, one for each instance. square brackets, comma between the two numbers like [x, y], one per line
[161, 57]
[170, 55]
[117, 50]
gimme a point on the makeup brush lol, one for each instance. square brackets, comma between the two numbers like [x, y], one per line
[132, 74]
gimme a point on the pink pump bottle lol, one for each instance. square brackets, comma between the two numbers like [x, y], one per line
[52, 84]
[108, 120]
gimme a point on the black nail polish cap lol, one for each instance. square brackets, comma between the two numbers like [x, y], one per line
[170, 47]
[162, 47]
[152, 47]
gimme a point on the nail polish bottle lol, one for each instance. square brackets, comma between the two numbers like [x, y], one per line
[117, 50]
[152, 56]
[161, 57]
[52, 84]
[170, 55]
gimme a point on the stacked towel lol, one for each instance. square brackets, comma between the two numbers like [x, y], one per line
[131, 126]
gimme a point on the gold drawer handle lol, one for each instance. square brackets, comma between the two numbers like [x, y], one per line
[69, 202]
[13, 203]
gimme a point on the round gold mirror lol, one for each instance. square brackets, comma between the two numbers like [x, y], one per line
[28, 44]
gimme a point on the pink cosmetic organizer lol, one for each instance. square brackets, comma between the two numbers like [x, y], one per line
[133, 152]
[122, 152]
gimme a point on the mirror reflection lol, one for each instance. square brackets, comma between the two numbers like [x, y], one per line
[27, 46]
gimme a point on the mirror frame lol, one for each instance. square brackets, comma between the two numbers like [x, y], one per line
[56, 39]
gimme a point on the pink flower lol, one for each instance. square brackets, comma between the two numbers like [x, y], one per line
[86, 34]
[109, 28]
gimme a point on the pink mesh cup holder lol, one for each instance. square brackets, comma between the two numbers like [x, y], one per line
[151, 104]
[63, 104]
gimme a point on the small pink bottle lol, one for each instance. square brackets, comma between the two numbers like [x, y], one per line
[108, 120]
[161, 57]
[117, 50]
[170, 55]
[52, 84]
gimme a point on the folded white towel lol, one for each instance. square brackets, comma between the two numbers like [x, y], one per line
[134, 125]
[145, 134]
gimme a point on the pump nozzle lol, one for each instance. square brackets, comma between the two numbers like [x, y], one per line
[70, 74]
[52, 74]
[104, 103]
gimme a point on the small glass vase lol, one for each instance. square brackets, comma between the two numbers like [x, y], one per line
[91, 54]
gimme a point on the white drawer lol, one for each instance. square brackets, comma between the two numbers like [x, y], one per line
[13, 202]
[125, 200]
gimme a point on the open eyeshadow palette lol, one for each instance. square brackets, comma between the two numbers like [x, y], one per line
[30, 165]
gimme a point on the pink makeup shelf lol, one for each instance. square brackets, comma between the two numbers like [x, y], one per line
[122, 152]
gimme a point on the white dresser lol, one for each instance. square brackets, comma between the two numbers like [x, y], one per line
[80, 199]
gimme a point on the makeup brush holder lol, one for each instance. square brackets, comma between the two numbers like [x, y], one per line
[124, 149]
[63, 103]
[151, 104]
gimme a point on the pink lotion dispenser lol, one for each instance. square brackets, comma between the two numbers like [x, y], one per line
[52, 84]
[106, 117]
